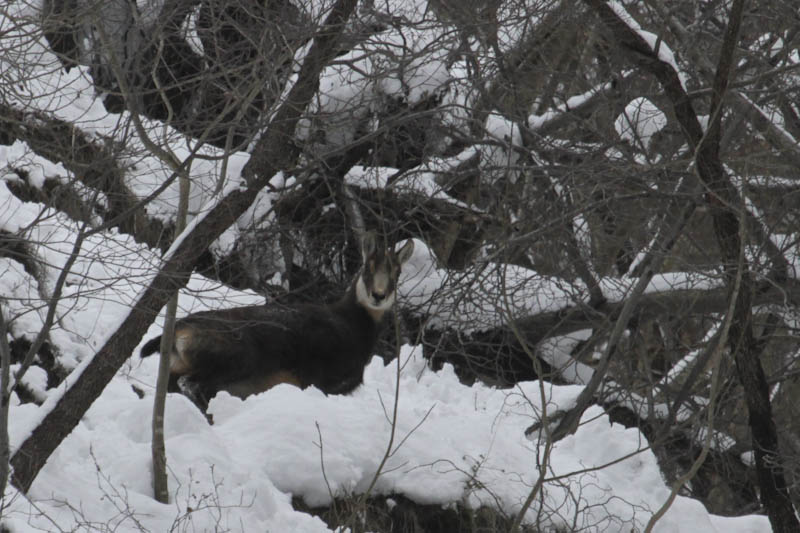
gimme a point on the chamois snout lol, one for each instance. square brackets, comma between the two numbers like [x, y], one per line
[376, 299]
[378, 295]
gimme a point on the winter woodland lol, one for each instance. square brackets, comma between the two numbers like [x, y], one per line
[598, 329]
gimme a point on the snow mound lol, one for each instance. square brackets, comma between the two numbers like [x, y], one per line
[451, 444]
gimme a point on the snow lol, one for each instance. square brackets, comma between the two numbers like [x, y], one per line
[515, 21]
[419, 181]
[19, 157]
[41, 85]
[189, 31]
[499, 157]
[557, 352]
[536, 122]
[109, 270]
[773, 118]
[661, 49]
[516, 292]
[452, 443]
[639, 122]
[34, 380]
[398, 65]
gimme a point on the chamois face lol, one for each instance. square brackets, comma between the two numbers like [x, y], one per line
[377, 283]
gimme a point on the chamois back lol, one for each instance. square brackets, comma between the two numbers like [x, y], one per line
[247, 350]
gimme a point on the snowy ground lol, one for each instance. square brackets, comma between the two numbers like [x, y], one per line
[239, 473]
[452, 444]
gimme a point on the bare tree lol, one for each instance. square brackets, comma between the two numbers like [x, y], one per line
[609, 192]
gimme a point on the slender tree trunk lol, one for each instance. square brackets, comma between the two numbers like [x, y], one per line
[159, 450]
[5, 397]
[158, 446]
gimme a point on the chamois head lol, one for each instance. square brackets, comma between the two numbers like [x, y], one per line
[377, 282]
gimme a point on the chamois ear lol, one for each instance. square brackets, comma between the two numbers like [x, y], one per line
[368, 245]
[405, 252]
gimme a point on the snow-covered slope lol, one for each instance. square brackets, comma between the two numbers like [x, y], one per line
[452, 444]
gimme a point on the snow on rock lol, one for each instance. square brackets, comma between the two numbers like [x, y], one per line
[104, 281]
[19, 156]
[640, 120]
[420, 181]
[259, 215]
[511, 291]
[110, 269]
[42, 85]
[499, 157]
[557, 351]
[536, 122]
[146, 174]
[395, 65]
[421, 283]
[34, 380]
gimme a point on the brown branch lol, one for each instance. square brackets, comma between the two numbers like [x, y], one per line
[5, 401]
[698, 301]
[92, 165]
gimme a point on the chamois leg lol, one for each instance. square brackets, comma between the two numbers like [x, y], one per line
[195, 391]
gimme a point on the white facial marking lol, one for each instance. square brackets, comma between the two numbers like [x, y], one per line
[380, 282]
[361, 292]
[366, 299]
[386, 303]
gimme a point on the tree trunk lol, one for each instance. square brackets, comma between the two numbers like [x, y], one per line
[159, 449]
[5, 397]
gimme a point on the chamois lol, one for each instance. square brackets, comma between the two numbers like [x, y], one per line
[247, 350]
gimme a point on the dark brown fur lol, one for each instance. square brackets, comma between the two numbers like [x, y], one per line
[247, 350]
